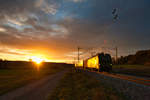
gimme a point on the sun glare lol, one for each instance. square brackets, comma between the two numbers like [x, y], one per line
[37, 60]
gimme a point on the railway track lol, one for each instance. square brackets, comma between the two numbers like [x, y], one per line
[131, 78]
[132, 87]
[139, 80]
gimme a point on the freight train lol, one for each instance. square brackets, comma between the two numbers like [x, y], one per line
[101, 62]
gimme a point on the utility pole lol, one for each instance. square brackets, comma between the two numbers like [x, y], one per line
[74, 61]
[79, 54]
[116, 54]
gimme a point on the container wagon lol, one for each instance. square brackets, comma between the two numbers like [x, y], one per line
[101, 62]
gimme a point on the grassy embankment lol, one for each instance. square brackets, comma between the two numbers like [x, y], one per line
[138, 70]
[14, 78]
[80, 86]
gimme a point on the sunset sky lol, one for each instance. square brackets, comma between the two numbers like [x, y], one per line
[53, 29]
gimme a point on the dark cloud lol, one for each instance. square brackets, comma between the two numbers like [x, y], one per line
[15, 6]
[62, 25]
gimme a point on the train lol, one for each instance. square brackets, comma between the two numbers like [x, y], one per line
[101, 62]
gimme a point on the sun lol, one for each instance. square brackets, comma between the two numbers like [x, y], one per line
[37, 60]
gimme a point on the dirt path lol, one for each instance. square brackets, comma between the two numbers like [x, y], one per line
[35, 91]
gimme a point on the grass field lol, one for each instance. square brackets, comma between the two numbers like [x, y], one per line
[138, 70]
[14, 78]
[80, 86]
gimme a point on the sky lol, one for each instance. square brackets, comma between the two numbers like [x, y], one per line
[53, 29]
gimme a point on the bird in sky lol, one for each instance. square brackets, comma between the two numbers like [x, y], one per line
[116, 17]
[114, 11]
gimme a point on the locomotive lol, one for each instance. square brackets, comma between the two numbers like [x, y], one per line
[101, 62]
